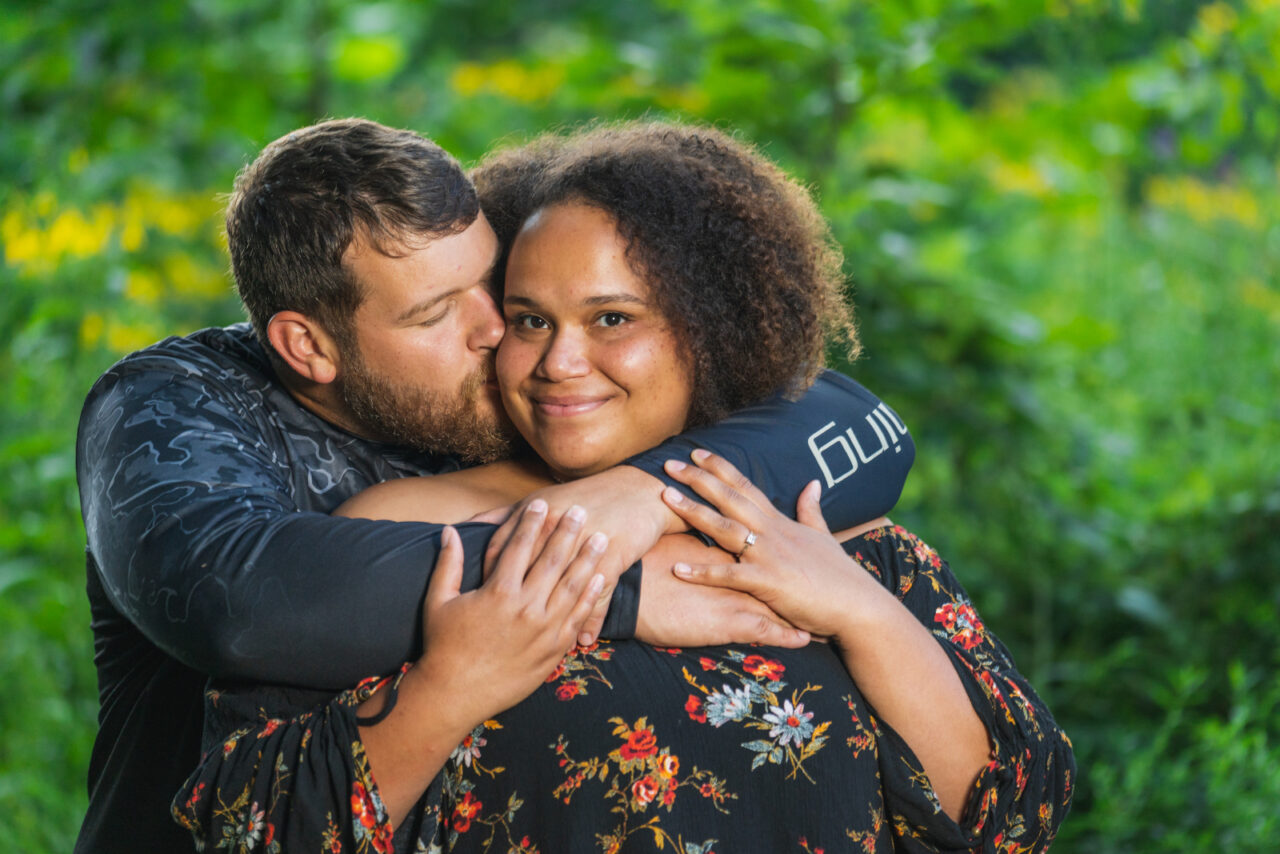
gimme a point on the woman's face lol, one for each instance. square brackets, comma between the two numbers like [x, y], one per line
[590, 371]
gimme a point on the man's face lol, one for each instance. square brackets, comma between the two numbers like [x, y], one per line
[420, 372]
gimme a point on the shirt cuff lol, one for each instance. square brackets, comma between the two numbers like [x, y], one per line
[624, 608]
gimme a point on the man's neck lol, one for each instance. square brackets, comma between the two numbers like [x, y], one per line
[320, 399]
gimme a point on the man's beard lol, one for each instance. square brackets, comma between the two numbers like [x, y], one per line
[425, 420]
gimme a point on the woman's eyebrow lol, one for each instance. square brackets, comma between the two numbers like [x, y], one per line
[598, 299]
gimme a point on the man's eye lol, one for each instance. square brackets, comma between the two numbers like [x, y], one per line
[437, 317]
[612, 318]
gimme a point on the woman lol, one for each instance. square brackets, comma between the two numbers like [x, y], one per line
[657, 277]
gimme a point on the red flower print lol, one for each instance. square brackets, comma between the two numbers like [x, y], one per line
[961, 623]
[693, 706]
[467, 809]
[640, 744]
[269, 835]
[195, 794]
[644, 790]
[924, 554]
[557, 673]
[668, 797]
[765, 668]
[707, 664]
[272, 726]
[362, 806]
[568, 690]
[668, 765]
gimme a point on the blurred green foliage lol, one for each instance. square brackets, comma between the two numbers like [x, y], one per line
[1060, 219]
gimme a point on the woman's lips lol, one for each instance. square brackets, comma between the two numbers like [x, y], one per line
[563, 407]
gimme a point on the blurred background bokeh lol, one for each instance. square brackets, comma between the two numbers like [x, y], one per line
[1061, 227]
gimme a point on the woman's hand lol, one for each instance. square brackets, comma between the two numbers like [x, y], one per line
[484, 650]
[495, 645]
[797, 568]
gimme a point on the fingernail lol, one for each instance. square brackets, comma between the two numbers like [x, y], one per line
[598, 541]
[585, 638]
[682, 569]
[537, 505]
[447, 536]
[673, 495]
[674, 465]
[596, 585]
[700, 454]
[576, 513]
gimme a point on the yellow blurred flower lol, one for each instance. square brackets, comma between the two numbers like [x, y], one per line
[39, 234]
[1017, 177]
[1205, 202]
[91, 328]
[1261, 298]
[124, 338]
[507, 78]
[189, 278]
[1218, 19]
[143, 286]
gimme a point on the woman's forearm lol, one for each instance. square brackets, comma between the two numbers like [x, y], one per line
[905, 675]
[407, 749]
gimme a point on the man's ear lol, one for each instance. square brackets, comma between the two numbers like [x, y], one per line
[304, 345]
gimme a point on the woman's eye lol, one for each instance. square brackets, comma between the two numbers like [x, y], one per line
[530, 321]
[612, 318]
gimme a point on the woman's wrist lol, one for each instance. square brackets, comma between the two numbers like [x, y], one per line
[867, 609]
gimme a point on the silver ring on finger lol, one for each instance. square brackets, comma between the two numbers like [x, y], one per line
[748, 543]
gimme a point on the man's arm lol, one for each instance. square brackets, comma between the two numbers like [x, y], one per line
[837, 432]
[199, 544]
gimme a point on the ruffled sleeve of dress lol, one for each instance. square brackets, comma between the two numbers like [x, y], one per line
[284, 764]
[1021, 796]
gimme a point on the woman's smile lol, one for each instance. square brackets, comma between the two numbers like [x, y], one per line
[568, 406]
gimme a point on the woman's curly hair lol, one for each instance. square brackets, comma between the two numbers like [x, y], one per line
[740, 261]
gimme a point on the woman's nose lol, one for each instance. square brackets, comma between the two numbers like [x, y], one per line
[566, 357]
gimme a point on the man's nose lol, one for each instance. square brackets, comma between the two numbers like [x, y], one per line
[487, 325]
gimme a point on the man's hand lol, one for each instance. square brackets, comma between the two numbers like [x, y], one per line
[623, 503]
[677, 613]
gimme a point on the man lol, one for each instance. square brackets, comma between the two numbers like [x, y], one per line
[208, 464]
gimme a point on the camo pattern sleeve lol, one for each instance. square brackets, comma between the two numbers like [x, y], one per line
[205, 490]
[836, 432]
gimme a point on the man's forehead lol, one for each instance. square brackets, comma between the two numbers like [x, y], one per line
[416, 269]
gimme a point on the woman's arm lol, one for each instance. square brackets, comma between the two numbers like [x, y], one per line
[944, 686]
[803, 573]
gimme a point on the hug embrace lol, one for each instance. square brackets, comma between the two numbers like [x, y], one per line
[523, 516]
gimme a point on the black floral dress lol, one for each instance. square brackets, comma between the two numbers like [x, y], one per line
[628, 747]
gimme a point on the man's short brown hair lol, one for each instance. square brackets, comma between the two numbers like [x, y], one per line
[296, 209]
